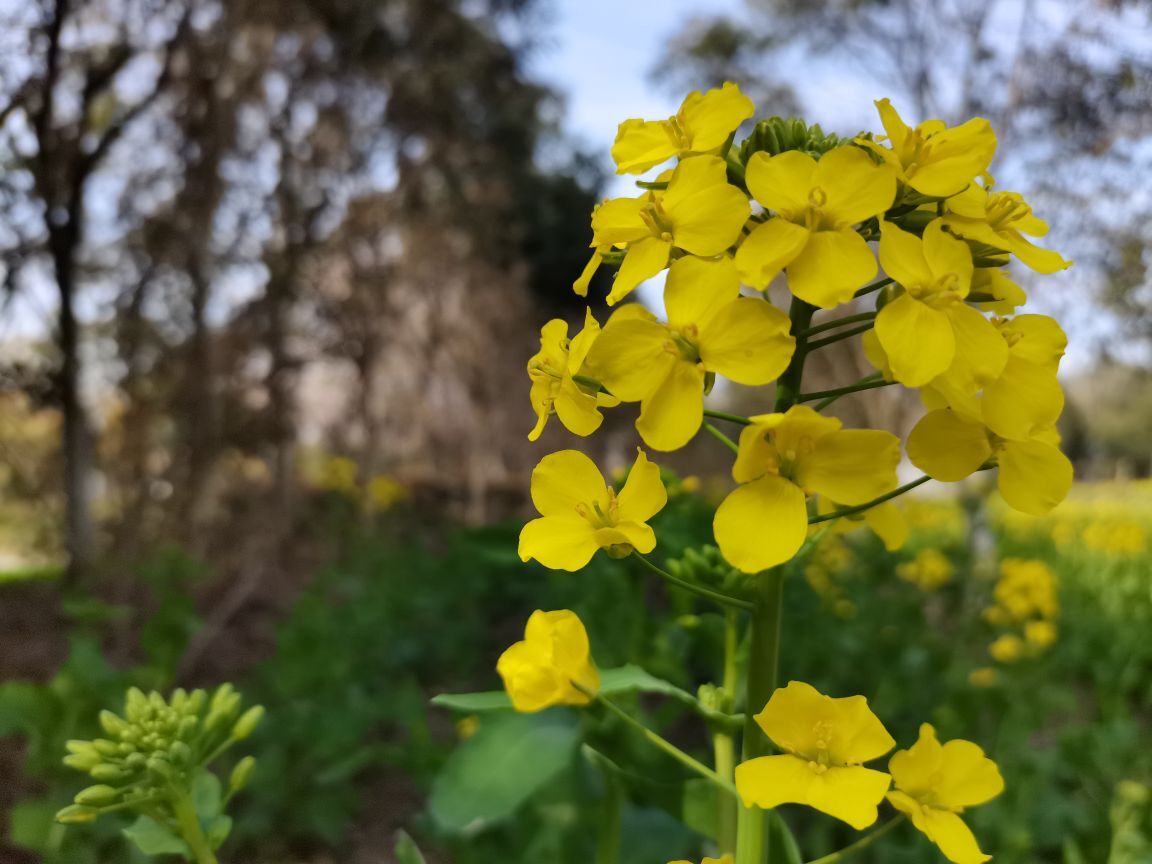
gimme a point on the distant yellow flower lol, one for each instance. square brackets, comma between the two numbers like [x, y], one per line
[580, 513]
[983, 677]
[539, 671]
[1040, 634]
[1007, 648]
[1026, 589]
[934, 783]
[825, 742]
[384, 492]
[702, 125]
[557, 384]
[784, 457]
[1000, 220]
[885, 520]
[1034, 475]
[699, 212]
[710, 329]
[934, 159]
[929, 570]
[816, 206]
[928, 325]
[466, 727]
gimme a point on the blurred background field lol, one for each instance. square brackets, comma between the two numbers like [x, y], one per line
[271, 274]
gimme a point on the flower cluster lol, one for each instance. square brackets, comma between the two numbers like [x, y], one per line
[826, 214]
[1025, 606]
[928, 571]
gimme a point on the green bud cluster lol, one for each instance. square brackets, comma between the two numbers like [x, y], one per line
[706, 566]
[154, 752]
[776, 135]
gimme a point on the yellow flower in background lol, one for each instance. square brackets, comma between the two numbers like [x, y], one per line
[1007, 648]
[539, 671]
[699, 212]
[934, 783]
[929, 570]
[935, 159]
[702, 125]
[554, 371]
[985, 676]
[580, 513]
[929, 326]
[825, 742]
[338, 474]
[885, 520]
[1000, 220]
[1026, 589]
[384, 492]
[1034, 475]
[1040, 635]
[816, 204]
[784, 457]
[710, 329]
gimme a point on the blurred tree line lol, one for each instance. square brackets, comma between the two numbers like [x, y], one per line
[268, 223]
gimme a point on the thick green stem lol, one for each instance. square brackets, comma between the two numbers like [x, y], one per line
[788, 386]
[723, 741]
[862, 843]
[190, 830]
[608, 840]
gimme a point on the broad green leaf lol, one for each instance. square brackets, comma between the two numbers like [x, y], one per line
[699, 806]
[495, 771]
[152, 838]
[206, 797]
[474, 703]
[782, 848]
[406, 850]
[221, 828]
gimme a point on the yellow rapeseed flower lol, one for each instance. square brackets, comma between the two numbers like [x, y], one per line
[1007, 648]
[929, 570]
[928, 325]
[816, 203]
[824, 743]
[1040, 634]
[935, 159]
[702, 125]
[580, 513]
[934, 783]
[784, 457]
[558, 385]
[1000, 220]
[885, 520]
[710, 329]
[985, 676]
[1034, 475]
[539, 671]
[699, 212]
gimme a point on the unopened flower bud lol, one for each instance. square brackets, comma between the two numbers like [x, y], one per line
[111, 723]
[107, 773]
[180, 753]
[135, 705]
[241, 774]
[247, 723]
[97, 796]
[76, 814]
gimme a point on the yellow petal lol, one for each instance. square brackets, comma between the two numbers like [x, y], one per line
[802, 720]
[1038, 339]
[642, 144]
[1026, 397]
[577, 409]
[889, 524]
[948, 257]
[538, 672]
[902, 256]
[698, 288]
[642, 260]
[947, 447]
[856, 187]
[761, 524]
[849, 794]
[782, 182]
[633, 535]
[756, 455]
[582, 343]
[770, 248]
[580, 286]
[643, 495]
[917, 339]
[1034, 476]
[955, 157]
[894, 126]
[747, 341]
[561, 542]
[617, 220]
[706, 212]
[630, 356]
[1041, 260]
[671, 415]
[562, 480]
[981, 351]
[795, 431]
[851, 466]
[712, 117]
[832, 265]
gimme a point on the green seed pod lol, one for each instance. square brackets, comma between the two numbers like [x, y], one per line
[76, 814]
[97, 796]
[241, 774]
[82, 761]
[247, 723]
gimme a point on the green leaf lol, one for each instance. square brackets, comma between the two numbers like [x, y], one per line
[700, 806]
[782, 848]
[406, 851]
[206, 797]
[221, 828]
[495, 771]
[474, 703]
[152, 838]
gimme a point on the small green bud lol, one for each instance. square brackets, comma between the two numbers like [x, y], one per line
[221, 697]
[76, 814]
[180, 753]
[187, 727]
[161, 768]
[112, 723]
[97, 796]
[247, 723]
[241, 774]
[179, 700]
[82, 761]
[135, 705]
[106, 748]
[195, 702]
[107, 773]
